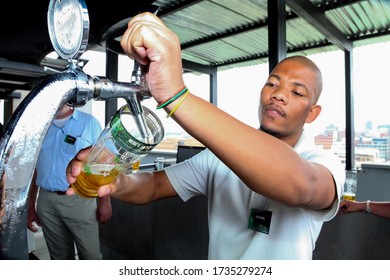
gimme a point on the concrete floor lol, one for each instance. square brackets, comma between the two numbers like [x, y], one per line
[37, 245]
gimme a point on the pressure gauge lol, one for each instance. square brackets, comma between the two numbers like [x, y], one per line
[68, 24]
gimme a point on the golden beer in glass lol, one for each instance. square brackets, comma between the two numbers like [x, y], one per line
[349, 196]
[119, 146]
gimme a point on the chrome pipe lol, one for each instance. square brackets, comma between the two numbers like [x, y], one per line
[19, 150]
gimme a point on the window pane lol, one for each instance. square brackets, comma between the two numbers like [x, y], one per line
[329, 128]
[372, 99]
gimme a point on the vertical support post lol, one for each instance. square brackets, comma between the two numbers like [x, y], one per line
[349, 113]
[213, 87]
[277, 49]
[112, 74]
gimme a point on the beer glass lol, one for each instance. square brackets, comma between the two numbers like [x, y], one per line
[350, 185]
[119, 146]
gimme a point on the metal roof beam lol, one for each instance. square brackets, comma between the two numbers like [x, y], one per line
[10, 95]
[165, 11]
[318, 20]
[200, 68]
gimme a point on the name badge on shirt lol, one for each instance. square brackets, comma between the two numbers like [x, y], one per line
[260, 220]
[70, 139]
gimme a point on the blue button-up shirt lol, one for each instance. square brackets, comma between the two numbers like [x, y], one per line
[61, 145]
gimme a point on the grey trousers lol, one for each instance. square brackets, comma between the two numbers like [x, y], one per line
[69, 222]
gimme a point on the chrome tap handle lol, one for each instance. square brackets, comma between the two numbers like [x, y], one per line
[138, 74]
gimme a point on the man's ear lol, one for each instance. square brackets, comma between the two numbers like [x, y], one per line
[313, 114]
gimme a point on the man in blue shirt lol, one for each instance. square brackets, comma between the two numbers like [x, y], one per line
[66, 220]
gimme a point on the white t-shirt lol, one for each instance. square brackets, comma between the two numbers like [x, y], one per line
[292, 231]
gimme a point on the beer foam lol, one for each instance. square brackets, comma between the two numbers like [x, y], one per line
[101, 168]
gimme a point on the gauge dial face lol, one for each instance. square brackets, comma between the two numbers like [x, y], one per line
[68, 27]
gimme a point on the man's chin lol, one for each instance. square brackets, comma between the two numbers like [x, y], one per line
[269, 131]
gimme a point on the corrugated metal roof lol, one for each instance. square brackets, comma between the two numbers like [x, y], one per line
[228, 33]
[213, 33]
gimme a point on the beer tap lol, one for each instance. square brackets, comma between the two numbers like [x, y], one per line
[133, 93]
[134, 100]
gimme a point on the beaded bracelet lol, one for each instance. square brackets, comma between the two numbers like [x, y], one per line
[178, 104]
[173, 98]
